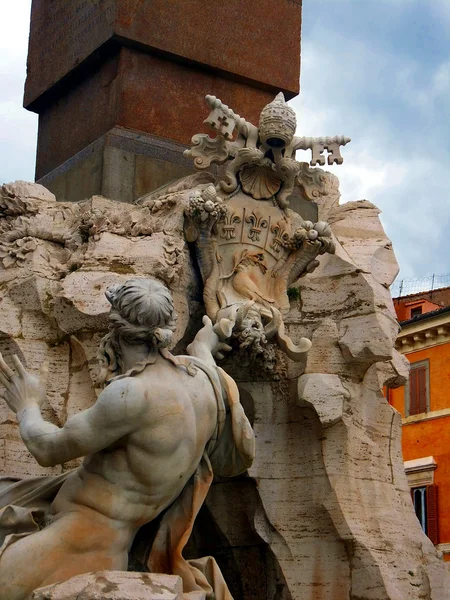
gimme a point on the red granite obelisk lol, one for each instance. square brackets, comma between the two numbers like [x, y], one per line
[119, 84]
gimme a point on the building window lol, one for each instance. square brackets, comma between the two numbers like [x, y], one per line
[417, 390]
[415, 312]
[425, 505]
[419, 496]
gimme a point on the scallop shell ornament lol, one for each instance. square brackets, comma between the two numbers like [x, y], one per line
[259, 182]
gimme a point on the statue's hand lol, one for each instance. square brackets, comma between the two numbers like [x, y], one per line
[21, 388]
[209, 338]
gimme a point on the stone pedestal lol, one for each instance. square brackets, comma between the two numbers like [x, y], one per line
[123, 164]
[97, 65]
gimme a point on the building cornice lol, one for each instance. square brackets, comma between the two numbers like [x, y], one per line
[428, 416]
[444, 548]
[420, 464]
[424, 333]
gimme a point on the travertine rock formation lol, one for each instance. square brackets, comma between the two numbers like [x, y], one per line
[329, 465]
[117, 585]
[325, 511]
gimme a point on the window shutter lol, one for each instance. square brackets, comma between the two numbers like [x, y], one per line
[413, 393]
[432, 515]
[422, 389]
[418, 390]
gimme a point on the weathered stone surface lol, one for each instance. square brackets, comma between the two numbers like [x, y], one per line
[350, 492]
[325, 393]
[327, 503]
[116, 585]
[53, 304]
[96, 65]
[123, 85]
[24, 189]
[335, 505]
[366, 339]
[149, 162]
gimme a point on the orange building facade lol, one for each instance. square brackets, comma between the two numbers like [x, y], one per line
[424, 403]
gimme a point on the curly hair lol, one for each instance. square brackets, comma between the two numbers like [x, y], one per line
[142, 312]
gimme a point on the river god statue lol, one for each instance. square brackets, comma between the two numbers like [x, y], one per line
[152, 440]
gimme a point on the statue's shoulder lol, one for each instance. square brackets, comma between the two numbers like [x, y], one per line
[122, 398]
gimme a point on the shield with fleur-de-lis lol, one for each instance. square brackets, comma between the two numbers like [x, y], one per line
[257, 221]
[280, 237]
[228, 229]
[250, 223]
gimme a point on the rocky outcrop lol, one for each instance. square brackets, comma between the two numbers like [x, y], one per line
[117, 585]
[329, 464]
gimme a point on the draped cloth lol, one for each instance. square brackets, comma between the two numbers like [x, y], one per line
[25, 504]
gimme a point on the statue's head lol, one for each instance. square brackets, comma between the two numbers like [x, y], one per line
[142, 312]
[249, 328]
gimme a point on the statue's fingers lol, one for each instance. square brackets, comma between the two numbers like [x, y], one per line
[19, 366]
[225, 347]
[227, 326]
[4, 380]
[224, 328]
[206, 320]
[5, 369]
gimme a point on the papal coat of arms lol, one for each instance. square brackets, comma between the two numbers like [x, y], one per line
[250, 246]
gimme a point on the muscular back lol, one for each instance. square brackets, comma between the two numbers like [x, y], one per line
[155, 426]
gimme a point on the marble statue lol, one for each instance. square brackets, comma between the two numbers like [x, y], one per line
[152, 440]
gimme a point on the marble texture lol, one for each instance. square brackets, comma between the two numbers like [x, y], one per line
[53, 381]
[53, 303]
[150, 441]
[250, 247]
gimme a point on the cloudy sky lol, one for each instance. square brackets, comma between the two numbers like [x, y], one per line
[377, 71]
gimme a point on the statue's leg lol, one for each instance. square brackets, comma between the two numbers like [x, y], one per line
[75, 543]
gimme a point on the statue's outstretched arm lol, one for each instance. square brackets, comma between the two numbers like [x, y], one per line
[208, 342]
[116, 413]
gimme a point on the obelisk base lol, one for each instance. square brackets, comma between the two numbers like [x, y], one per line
[122, 165]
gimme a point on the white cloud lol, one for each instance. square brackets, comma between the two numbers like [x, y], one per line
[441, 79]
[387, 103]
